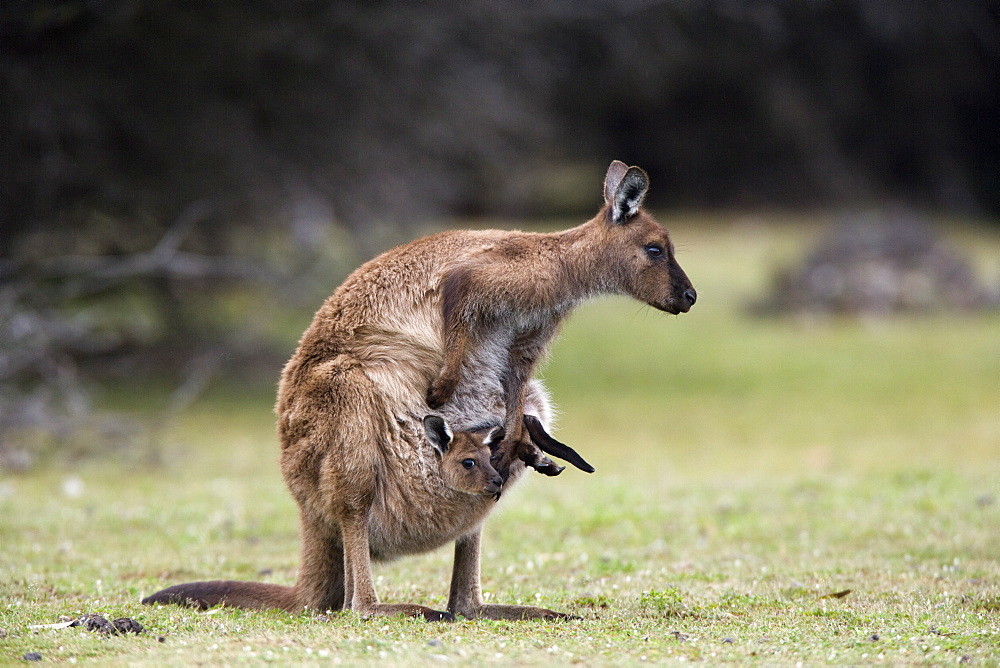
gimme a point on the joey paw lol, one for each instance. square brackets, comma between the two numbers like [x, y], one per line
[502, 468]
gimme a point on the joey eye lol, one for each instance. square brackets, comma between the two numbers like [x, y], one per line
[654, 251]
[468, 463]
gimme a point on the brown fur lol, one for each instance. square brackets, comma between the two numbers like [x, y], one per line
[457, 320]
[464, 493]
[505, 293]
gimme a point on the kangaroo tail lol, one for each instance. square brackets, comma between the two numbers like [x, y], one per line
[234, 593]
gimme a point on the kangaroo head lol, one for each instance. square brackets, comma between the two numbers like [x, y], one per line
[644, 266]
[465, 457]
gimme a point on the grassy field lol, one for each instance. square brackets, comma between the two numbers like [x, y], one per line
[773, 491]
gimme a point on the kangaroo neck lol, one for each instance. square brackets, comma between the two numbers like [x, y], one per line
[583, 261]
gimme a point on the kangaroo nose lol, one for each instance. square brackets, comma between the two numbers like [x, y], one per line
[690, 296]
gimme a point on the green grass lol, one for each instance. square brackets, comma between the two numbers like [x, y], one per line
[747, 471]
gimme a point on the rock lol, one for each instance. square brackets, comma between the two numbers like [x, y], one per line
[879, 265]
[99, 624]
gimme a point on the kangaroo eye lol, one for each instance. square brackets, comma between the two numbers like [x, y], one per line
[468, 463]
[654, 251]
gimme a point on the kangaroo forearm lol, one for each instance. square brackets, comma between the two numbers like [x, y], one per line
[456, 345]
[455, 296]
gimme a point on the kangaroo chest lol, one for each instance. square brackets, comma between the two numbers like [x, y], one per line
[498, 349]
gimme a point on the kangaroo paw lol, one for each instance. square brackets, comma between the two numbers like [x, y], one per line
[501, 462]
[440, 391]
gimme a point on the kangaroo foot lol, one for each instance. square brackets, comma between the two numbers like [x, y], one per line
[547, 444]
[532, 456]
[408, 610]
[548, 467]
[514, 612]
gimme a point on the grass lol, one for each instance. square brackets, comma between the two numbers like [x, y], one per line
[749, 472]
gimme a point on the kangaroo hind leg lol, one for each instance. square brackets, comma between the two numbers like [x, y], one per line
[361, 584]
[466, 596]
[320, 584]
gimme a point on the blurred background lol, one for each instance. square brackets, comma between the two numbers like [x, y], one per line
[181, 184]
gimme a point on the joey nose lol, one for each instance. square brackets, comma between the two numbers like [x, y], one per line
[690, 296]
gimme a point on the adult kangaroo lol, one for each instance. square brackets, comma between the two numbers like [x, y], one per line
[420, 509]
[504, 294]
[456, 320]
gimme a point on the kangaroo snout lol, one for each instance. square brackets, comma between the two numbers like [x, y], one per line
[493, 487]
[677, 304]
[683, 298]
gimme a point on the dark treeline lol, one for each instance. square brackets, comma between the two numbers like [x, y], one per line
[154, 155]
[394, 111]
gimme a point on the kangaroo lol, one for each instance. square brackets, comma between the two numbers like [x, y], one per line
[504, 294]
[452, 506]
[457, 320]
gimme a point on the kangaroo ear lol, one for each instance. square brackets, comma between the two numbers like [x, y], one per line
[611, 180]
[438, 433]
[624, 190]
[493, 438]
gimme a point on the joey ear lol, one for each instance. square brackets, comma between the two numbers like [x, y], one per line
[611, 180]
[494, 438]
[438, 433]
[629, 194]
